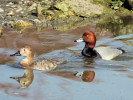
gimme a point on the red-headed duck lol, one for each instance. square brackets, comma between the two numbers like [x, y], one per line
[106, 53]
[39, 64]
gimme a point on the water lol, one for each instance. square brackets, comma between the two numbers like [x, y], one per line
[113, 78]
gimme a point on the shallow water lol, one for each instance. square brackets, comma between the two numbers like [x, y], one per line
[113, 78]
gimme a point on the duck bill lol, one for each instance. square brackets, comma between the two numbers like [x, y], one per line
[79, 40]
[16, 78]
[16, 54]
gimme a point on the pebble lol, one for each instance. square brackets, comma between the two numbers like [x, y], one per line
[22, 12]
[1, 10]
[36, 21]
[32, 7]
[10, 13]
[13, 6]
[9, 4]
[1, 32]
[20, 2]
[19, 9]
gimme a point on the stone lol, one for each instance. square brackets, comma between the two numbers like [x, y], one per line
[13, 6]
[39, 9]
[10, 4]
[36, 21]
[83, 8]
[10, 13]
[19, 9]
[131, 3]
[32, 8]
[1, 32]
[62, 6]
[1, 10]
[22, 12]
[20, 25]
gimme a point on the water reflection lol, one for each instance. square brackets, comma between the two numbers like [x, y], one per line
[88, 62]
[117, 25]
[86, 76]
[26, 79]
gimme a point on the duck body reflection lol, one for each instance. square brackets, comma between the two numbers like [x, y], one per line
[26, 79]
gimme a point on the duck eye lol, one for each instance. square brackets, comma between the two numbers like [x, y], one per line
[87, 35]
[24, 83]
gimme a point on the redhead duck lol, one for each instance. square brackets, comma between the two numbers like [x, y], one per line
[106, 53]
[39, 64]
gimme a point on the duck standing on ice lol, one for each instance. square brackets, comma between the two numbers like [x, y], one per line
[38, 64]
[106, 53]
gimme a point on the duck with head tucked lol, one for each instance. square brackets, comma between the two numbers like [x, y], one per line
[106, 53]
[38, 64]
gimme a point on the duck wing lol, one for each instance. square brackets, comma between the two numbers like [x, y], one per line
[108, 53]
[45, 64]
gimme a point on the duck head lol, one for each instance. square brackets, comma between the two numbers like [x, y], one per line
[89, 38]
[27, 53]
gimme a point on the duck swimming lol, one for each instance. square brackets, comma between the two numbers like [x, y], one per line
[39, 64]
[106, 53]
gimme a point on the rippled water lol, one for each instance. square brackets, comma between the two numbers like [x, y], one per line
[75, 61]
[112, 81]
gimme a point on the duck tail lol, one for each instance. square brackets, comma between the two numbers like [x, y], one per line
[123, 51]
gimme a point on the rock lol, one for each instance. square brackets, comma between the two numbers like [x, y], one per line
[19, 9]
[20, 25]
[131, 3]
[32, 8]
[10, 13]
[83, 8]
[70, 13]
[28, 3]
[63, 6]
[62, 16]
[10, 4]
[39, 9]
[20, 2]
[63, 23]
[48, 12]
[22, 12]
[1, 32]
[1, 10]
[13, 6]
[36, 21]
